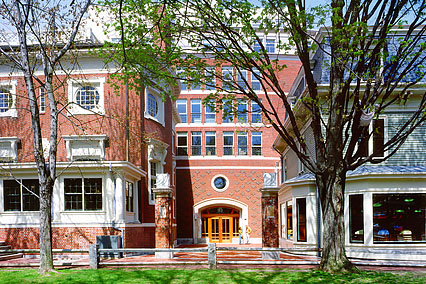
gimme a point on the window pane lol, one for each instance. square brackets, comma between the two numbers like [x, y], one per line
[196, 111]
[301, 219]
[210, 113]
[182, 143]
[356, 218]
[210, 143]
[242, 79]
[196, 143]
[242, 112]
[399, 217]
[378, 137]
[12, 195]
[210, 83]
[227, 77]
[129, 196]
[30, 201]
[270, 45]
[152, 105]
[256, 143]
[256, 116]
[227, 116]
[93, 194]
[289, 221]
[87, 97]
[242, 144]
[73, 194]
[255, 83]
[181, 108]
[228, 143]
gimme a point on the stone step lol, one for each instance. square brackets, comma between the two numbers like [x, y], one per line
[4, 247]
[8, 256]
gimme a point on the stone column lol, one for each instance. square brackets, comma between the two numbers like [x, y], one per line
[270, 233]
[163, 226]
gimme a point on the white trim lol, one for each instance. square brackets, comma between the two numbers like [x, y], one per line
[225, 167]
[228, 157]
[219, 189]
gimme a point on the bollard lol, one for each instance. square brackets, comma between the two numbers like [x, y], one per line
[212, 256]
[94, 256]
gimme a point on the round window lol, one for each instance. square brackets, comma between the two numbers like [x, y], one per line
[152, 105]
[220, 183]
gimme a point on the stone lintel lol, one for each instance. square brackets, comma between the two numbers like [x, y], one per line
[162, 192]
[269, 191]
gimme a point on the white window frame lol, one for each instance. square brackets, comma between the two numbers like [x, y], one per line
[182, 102]
[208, 112]
[182, 134]
[11, 87]
[194, 103]
[255, 80]
[242, 114]
[210, 134]
[253, 113]
[157, 153]
[75, 84]
[242, 134]
[197, 134]
[159, 117]
[210, 71]
[253, 135]
[228, 134]
[242, 79]
[82, 210]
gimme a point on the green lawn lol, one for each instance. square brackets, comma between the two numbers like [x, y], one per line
[23, 276]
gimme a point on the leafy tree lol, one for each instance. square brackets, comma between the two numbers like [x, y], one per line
[35, 37]
[365, 75]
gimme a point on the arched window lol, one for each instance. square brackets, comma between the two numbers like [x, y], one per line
[5, 100]
[87, 97]
[152, 105]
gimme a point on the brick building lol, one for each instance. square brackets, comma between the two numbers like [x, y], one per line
[105, 175]
[221, 158]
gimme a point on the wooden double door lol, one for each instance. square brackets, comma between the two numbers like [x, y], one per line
[220, 224]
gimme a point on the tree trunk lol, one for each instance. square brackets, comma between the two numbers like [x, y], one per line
[331, 187]
[46, 257]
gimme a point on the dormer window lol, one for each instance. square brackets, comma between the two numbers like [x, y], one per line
[154, 106]
[86, 96]
[86, 148]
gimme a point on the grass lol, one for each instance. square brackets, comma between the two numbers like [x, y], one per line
[23, 276]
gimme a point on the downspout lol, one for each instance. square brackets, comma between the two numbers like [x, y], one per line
[114, 205]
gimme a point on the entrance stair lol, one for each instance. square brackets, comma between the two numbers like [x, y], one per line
[8, 255]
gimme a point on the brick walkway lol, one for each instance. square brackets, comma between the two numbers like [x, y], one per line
[189, 260]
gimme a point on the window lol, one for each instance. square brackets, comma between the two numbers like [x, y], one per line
[5, 100]
[242, 79]
[130, 196]
[42, 100]
[210, 114]
[17, 195]
[289, 220]
[256, 115]
[181, 108]
[220, 183]
[210, 83]
[374, 145]
[270, 45]
[83, 194]
[242, 111]
[182, 143]
[301, 219]
[255, 82]
[88, 96]
[256, 143]
[257, 46]
[196, 111]
[399, 217]
[8, 99]
[195, 82]
[356, 218]
[242, 143]
[196, 143]
[154, 106]
[210, 143]
[228, 143]
[153, 170]
[227, 77]
[183, 80]
[227, 115]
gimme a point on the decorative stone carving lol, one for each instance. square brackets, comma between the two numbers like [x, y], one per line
[9, 149]
[163, 180]
[269, 180]
[86, 147]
